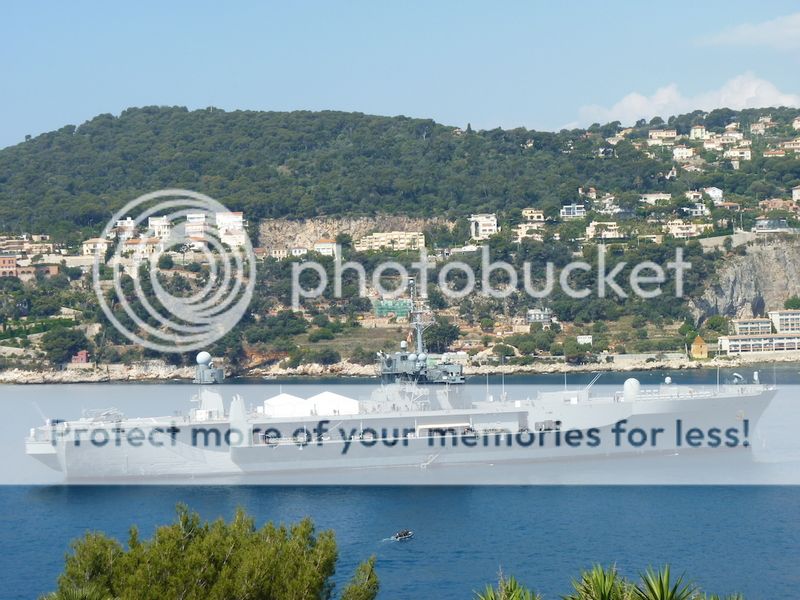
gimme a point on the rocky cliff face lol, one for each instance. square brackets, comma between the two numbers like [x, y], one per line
[304, 233]
[748, 285]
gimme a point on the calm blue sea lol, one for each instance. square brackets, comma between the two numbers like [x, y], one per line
[728, 539]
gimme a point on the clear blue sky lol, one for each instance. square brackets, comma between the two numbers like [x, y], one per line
[542, 65]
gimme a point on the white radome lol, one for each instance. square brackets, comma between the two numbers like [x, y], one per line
[203, 358]
[630, 389]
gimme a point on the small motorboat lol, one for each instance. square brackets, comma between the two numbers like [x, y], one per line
[402, 535]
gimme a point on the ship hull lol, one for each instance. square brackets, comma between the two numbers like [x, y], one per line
[522, 435]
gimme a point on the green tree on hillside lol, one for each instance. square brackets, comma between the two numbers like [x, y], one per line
[440, 335]
[61, 344]
[792, 303]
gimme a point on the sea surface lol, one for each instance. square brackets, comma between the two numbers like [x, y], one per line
[726, 538]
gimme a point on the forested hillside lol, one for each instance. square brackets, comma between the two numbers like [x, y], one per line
[300, 164]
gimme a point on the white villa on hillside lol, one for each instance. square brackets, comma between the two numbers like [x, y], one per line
[716, 194]
[682, 230]
[94, 246]
[604, 230]
[698, 132]
[483, 226]
[569, 212]
[682, 153]
[533, 215]
[326, 247]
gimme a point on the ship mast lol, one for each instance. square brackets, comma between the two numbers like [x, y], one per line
[420, 316]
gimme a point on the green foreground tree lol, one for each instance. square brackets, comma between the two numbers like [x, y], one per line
[194, 560]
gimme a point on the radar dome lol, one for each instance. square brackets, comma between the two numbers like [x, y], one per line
[630, 390]
[422, 357]
[403, 344]
[667, 379]
[204, 358]
[412, 357]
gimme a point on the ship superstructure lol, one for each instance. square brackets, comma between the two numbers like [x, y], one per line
[415, 363]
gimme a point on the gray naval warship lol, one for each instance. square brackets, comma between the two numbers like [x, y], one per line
[415, 364]
[398, 426]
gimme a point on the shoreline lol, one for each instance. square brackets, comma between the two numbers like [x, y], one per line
[159, 372]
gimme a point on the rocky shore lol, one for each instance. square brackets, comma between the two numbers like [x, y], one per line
[155, 371]
[150, 371]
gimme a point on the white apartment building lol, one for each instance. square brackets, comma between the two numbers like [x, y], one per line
[796, 193]
[785, 321]
[483, 226]
[745, 344]
[755, 335]
[755, 326]
[394, 240]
